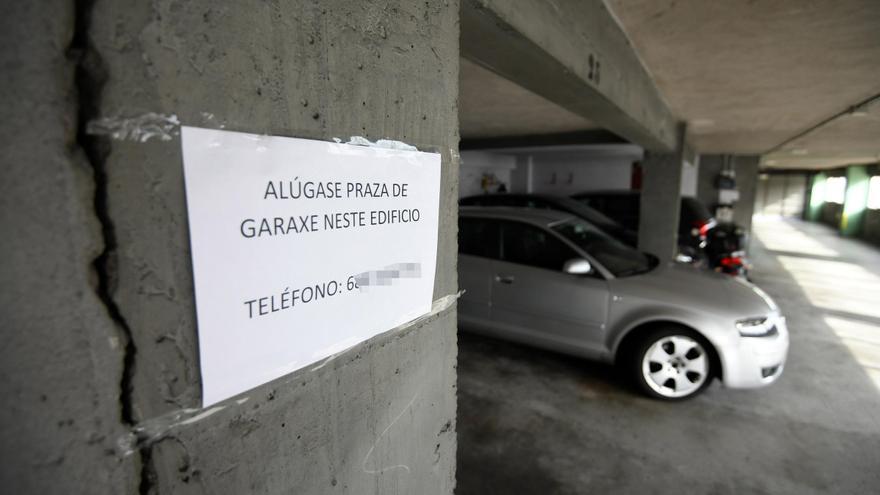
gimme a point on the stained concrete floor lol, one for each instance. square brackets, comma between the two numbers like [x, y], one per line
[531, 421]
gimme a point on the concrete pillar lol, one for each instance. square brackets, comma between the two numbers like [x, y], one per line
[99, 362]
[746, 169]
[856, 200]
[707, 188]
[661, 201]
[813, 212]
[62, 358]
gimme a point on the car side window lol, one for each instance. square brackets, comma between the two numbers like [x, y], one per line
[479, 237]
[529, 245]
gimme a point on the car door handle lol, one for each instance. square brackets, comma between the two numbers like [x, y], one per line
[504, 279]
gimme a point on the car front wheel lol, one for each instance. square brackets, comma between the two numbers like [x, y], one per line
[672, 364]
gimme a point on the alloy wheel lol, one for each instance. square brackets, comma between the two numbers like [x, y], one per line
[675, 366]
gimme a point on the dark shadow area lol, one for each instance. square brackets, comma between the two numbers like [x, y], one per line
[594, 136]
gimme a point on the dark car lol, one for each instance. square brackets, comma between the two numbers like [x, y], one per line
[559, 203]
[694, 222]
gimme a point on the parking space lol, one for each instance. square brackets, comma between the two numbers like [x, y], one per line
[532, 421]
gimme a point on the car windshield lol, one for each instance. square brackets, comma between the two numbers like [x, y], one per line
[620, 259]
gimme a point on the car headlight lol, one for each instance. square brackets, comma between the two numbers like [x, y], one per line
[756, 327]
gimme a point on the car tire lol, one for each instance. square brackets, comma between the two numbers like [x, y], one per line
[672, 363]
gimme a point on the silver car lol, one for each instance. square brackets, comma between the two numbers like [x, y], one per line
[551, 280]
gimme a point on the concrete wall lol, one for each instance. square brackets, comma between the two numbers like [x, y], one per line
[745, 168]
[567, 174]
[100, 366]
[558, 170]
[476, 164]
[522, 177]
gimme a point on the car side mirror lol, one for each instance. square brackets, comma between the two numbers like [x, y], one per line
[577, 266]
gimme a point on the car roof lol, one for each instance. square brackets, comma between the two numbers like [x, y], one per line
[529, 215]
[623, 192]
[514, 195]
[608, 192]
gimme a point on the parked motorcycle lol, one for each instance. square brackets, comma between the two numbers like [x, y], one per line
[725, 250]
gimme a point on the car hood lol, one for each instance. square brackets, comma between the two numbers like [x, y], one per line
[698, 289]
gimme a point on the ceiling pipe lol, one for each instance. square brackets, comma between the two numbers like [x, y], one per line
[849, 110]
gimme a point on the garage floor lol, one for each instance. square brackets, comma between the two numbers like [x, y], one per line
[537, 422]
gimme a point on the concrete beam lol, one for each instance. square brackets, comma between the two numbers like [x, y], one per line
[575, 54]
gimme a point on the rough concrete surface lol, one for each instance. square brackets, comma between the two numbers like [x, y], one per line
[538, 422]
[707, 174]
[61, 356]
[660, 204]
[378, 419]
[750, 75]
[746, 169]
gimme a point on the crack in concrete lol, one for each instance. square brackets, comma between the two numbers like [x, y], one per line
[90, 77]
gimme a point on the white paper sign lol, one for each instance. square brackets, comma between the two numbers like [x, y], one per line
[302, 249]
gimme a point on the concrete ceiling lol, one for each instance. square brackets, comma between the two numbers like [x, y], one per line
[749, 75]
[851, 138]
[491, 106]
